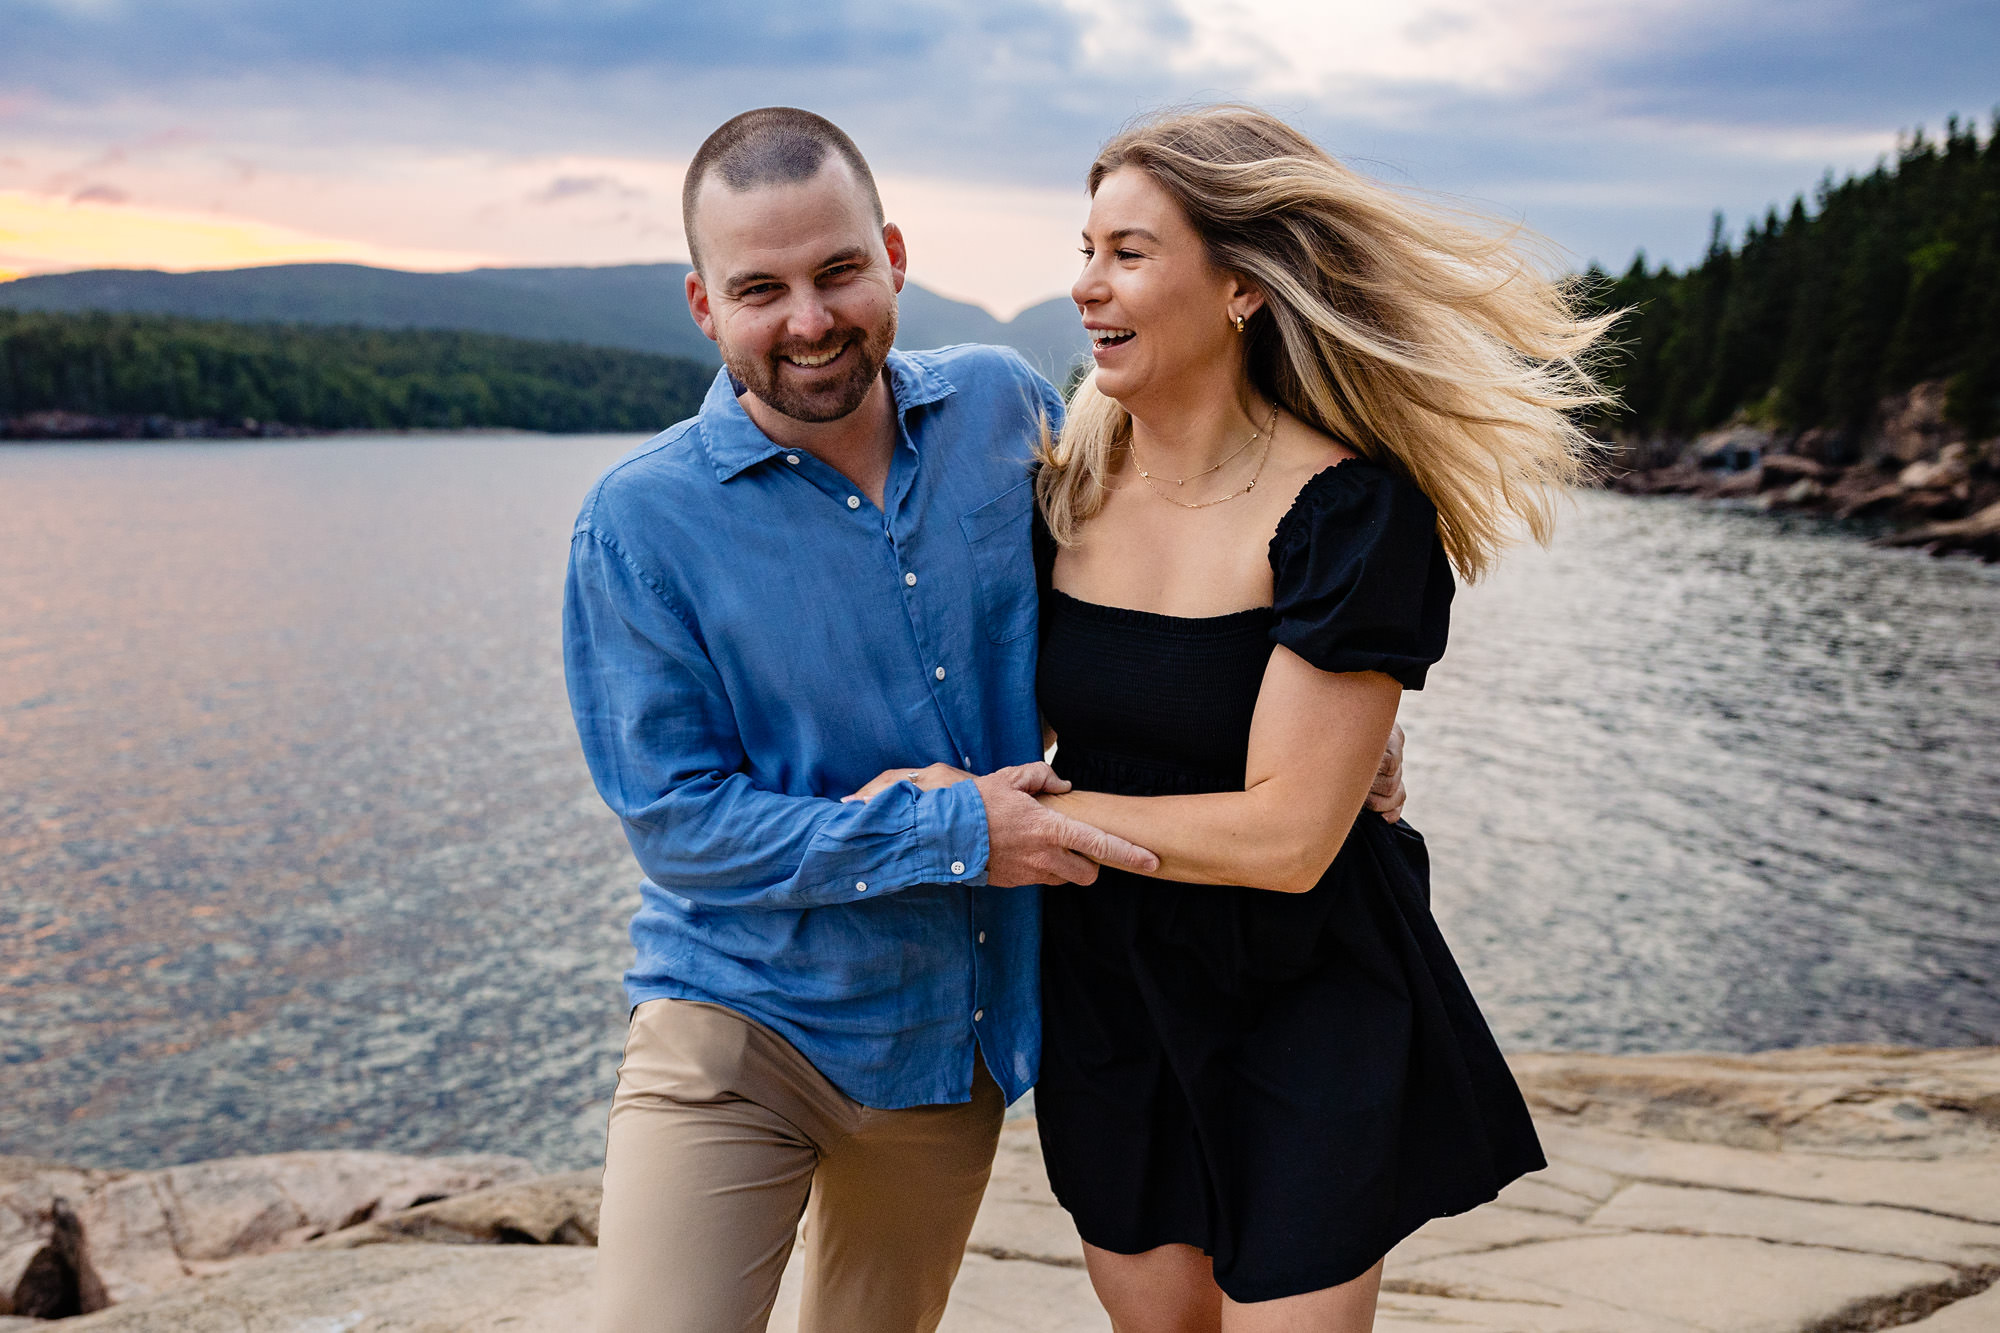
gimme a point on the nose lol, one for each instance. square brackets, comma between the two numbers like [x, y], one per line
[1088, 289]
[808, 319]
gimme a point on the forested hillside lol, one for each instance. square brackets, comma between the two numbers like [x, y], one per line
[637, 307]
[136, 366]
[1881, 282]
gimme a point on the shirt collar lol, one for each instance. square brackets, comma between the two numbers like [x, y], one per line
[735, 444]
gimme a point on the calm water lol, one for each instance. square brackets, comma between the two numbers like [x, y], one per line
[297, 850]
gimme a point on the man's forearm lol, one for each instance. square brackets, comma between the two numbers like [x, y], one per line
[724, 842]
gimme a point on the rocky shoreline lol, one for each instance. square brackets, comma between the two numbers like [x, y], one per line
[1911, 469]
[1828, 1190]
[56, 426]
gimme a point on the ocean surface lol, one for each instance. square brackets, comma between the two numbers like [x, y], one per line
[297, 848]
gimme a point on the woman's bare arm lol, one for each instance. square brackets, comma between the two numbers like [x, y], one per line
[1316, 742]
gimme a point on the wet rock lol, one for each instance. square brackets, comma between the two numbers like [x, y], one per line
[1733, 448]
[1799, 495]
[1783, 470]
[66, 425]
[1681, 479]
[1949, 469]
[1910, 467]
[1913, 424]
[1978, 535]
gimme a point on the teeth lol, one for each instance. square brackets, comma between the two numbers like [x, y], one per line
[1103, 336]
[820, 360]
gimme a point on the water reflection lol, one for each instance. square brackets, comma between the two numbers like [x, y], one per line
[1700, 778]
[298, 846]
[297, 849]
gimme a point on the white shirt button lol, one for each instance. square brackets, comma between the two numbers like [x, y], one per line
[958, 867]
[939, 673]
[861, 886]
[982, 937]
[978, 1014]
[968, 760]
[854, 502]
[793, 459]
[910, 580]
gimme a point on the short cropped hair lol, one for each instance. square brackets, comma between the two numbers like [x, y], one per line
[773, 145]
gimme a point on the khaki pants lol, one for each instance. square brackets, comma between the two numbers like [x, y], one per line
[723, 1135]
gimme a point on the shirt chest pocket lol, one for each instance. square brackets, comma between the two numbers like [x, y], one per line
[1004, 562]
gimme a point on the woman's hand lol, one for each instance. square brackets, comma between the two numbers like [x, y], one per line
[929, 778]
[1387, 796]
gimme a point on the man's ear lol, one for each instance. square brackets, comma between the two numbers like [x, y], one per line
[697, 297]
[899, 253]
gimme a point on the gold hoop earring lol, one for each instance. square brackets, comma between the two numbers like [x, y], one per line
[1239, 323]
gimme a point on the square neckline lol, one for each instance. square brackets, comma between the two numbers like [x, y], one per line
[1135, 615]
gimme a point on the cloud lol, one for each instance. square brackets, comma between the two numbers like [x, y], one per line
[99, 194]
[577, 187]
[1613, 124]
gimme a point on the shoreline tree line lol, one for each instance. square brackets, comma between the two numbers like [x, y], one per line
[1886, 280]
[332, 378]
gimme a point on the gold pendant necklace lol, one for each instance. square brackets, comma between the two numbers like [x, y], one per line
[1268, 434]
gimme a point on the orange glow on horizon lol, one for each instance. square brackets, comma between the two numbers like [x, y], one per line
[46, 234]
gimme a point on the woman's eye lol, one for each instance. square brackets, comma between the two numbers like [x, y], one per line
[1129, 254]
[1087, 252]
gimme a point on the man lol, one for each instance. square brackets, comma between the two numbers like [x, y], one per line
[823, 575]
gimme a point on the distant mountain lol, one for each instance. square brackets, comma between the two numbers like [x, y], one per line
[638, 307]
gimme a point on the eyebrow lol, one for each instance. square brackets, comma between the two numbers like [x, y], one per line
[1113, 238]
[738, 281]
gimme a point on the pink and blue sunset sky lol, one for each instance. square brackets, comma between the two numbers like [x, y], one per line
[217, 133]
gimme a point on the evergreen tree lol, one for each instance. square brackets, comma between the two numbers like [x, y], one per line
[1886, 280]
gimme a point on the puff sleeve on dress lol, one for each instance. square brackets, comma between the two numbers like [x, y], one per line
[1360, 579]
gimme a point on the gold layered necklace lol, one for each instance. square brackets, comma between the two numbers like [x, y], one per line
[1267, 434]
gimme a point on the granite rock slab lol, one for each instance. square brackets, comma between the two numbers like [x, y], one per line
[375, 1289]
[1823, 1191]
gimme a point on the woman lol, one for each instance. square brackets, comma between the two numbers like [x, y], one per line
[1311, 402]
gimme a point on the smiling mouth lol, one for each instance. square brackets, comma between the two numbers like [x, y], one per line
[814, 360]
[1103, 338]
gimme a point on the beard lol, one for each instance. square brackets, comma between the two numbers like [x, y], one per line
[776, 381]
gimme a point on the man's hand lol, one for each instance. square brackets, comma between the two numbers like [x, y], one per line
[928, 778]
[1028, 843]
[1387, 796]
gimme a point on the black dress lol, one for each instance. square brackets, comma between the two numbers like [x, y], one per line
[1291, 1082]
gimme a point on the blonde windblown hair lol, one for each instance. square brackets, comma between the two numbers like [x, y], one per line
[1413, 334]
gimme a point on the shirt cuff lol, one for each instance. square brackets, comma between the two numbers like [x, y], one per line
[951, 828]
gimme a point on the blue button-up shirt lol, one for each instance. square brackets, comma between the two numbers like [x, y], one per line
[748, 639]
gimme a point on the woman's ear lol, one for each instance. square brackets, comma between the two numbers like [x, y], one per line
[1246, 298]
